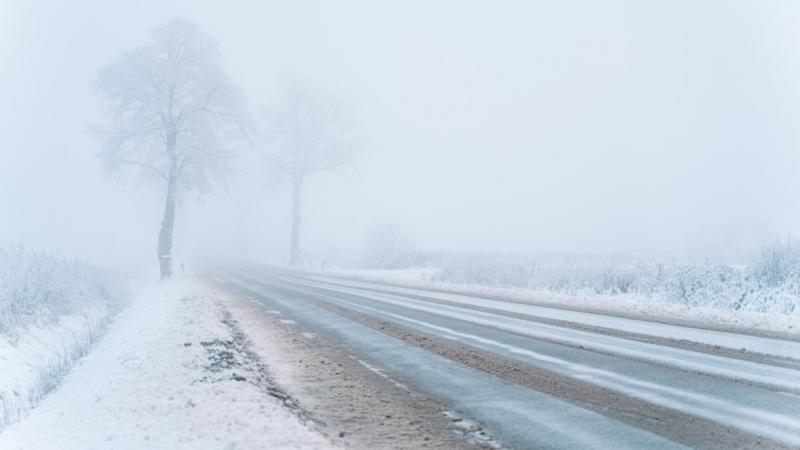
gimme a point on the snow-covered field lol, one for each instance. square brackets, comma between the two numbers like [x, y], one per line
[51, 311]
[172, 372]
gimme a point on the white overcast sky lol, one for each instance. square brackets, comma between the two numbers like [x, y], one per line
[596, 126]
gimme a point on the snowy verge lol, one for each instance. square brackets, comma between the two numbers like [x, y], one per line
[625, 305]
[172, 372]
[37, 359]
[51, 311]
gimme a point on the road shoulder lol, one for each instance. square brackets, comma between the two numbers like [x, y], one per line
[349, 399]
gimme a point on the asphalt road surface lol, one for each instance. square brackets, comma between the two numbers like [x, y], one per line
[543, 377]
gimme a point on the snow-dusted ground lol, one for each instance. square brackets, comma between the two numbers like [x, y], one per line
[167, 375]
[627, 305]
[33, 360]
[394, 274]
[51, 310]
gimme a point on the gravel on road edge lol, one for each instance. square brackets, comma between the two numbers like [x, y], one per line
[348, 399]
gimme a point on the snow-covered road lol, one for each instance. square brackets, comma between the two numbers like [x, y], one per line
[573, 379]
[736, 341]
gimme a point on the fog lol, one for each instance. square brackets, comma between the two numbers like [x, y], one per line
[523, 127]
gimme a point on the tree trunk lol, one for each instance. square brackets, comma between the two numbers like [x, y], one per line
[165, 234]
[294, 255]
[168, 221]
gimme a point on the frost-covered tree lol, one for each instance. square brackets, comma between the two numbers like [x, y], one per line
[307, 131]
[173, 117]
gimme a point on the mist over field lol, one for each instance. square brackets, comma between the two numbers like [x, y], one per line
[570, 127]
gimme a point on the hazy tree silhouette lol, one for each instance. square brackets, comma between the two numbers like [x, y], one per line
[173, 118]
[307, 131]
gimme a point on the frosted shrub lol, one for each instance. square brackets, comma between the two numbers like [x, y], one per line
[573, 275]
[618, 280]
[36, 291]
[706, 284]
[36, 288]
[776, 264]
[770, 283]
[489, 270]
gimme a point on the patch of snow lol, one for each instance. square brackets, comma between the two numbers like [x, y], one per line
[34, 361]
[473, 430]
[397, 274]
[51, 311]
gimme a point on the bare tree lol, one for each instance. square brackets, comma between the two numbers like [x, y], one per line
[307, 131]
[173, 117]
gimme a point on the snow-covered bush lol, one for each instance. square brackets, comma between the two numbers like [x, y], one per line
[560, 273]
[36, 288]
[706, 284]
[776, 264]
[769, 283]
[488, 270]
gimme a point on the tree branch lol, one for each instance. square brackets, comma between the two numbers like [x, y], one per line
[158, 171]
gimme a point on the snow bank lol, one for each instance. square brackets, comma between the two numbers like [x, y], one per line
[168, 374]
[51, 310]
[768, 282]
[763, 285]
